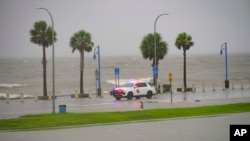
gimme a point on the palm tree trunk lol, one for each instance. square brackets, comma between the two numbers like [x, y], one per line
[44, 62]
[184, 72]
[81, 71]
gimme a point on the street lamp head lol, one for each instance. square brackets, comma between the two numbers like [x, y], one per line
[94, 56]
[221, 52]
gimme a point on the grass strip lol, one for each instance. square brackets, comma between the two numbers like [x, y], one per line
[47, 121]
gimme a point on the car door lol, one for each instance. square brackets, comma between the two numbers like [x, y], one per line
[142, 88]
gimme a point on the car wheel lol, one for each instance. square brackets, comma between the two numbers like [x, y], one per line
[149, 94]
[130, 96]
[118, 98]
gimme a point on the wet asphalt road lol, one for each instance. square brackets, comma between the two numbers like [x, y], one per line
[17, 108]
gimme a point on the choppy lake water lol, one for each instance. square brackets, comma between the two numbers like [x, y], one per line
[25, 75]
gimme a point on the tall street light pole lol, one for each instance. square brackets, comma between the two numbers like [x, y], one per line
[53, 60]
[221, 52]
[99, 69]
[155, 67]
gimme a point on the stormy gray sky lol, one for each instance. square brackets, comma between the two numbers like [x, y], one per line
[118, 26]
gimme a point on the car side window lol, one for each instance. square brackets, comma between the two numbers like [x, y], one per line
[151, 84]
[142, 85]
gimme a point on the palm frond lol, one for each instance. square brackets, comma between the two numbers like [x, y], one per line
[184, 41]
[41, 34]
[147, 47]
[81, 41]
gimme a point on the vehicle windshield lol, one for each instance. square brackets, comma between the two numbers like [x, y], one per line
[128, 85]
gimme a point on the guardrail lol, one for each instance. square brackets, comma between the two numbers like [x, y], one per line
[164, 88]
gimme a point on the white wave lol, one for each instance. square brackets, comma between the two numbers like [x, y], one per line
[14, 96]
[121, 81]
[124, 81]
[10, 85]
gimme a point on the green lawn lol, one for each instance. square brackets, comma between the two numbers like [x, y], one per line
[50, 121]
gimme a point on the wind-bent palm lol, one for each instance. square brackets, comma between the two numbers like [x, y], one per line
[81, 41]
[147, 49]
[41, 34]
[184, 41]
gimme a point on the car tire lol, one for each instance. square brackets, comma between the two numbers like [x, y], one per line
[118, 98]
[149, 94]
[130, 96]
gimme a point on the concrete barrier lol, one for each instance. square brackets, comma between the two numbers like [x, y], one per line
[213, 86]
[233, 85]
[203, 87]
[8, 98]
[182, 88]
[102, 93]
[90, 93]
[161, 89]
[21, 97]
[49, 96]
[36, 97]
[193, 88]
[76, 95]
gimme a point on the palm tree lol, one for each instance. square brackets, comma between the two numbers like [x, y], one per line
[147, 49]
[82, 42]
[184, 41]
[41, 34]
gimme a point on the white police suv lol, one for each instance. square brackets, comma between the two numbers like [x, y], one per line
[135, 89]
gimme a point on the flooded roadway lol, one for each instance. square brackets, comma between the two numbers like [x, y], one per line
[17, 108]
